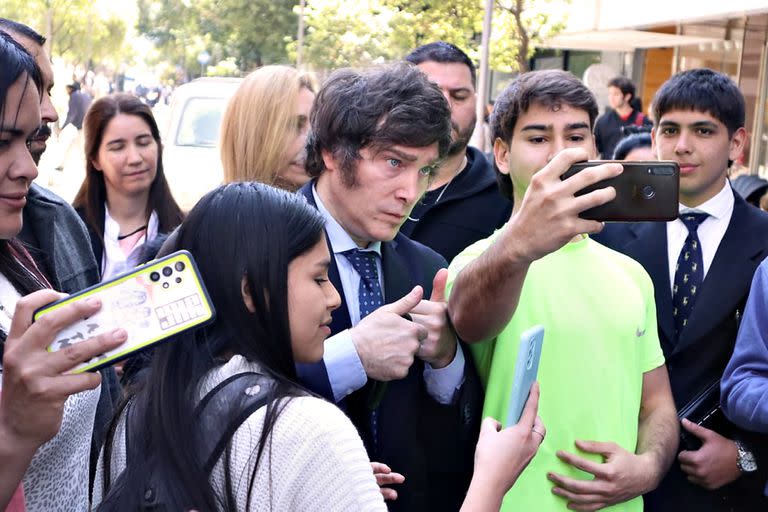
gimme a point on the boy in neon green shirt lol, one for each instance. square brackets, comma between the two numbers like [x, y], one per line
[605, 396]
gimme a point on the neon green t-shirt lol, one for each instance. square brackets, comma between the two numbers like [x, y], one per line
[599, 316]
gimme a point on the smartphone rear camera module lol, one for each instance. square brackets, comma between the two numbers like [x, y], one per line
[648, 192]
[179, 266]
[167, 271]
[154, 276]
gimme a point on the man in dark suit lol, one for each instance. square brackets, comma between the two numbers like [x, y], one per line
[702, 265]
[393, 362]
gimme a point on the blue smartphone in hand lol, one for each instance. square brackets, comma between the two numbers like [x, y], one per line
[526, 369]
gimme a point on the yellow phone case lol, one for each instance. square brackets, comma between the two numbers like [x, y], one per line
[152, 302]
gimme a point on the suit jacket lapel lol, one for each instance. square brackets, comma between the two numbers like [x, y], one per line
[315, 376]
[729, 275]
[340, 316]
[649, 247]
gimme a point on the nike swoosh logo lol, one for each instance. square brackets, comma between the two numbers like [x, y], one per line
[639, 333]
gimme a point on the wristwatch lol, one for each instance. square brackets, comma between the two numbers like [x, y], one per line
[745, 459]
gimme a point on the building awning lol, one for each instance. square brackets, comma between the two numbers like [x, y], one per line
[621, 40]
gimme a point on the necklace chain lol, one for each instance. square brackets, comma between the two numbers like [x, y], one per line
[445, 187]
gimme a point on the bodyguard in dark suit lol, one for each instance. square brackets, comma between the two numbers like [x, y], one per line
[702, 266]
[392, 363]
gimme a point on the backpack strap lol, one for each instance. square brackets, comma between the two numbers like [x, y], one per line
[235, 398]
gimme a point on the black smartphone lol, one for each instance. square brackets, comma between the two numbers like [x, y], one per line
[645, 191]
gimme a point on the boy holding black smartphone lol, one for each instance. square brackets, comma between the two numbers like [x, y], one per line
[702, 265]
[605, 393]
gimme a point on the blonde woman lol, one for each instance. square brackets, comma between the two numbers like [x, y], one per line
[264, 129]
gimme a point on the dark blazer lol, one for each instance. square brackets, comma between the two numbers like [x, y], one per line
[97, 242]
[705, 346]
[431, 444]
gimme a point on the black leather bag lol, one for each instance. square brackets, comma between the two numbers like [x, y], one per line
[704, 409]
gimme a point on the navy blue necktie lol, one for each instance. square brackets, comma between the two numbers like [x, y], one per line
[689, 272]
[369, 292]
[370, 299]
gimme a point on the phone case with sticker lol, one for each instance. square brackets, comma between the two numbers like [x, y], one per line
[152, 302]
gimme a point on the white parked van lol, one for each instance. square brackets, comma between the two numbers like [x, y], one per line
[191, 153]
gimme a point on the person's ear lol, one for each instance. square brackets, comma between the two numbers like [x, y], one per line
[245, 290]
[501, 155]
[329, 160]
[736, 148]
[96, 165]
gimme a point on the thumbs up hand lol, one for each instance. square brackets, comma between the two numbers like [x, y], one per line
[386, 341]
[439, 347]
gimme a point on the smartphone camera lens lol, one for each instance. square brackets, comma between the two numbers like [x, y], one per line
[154, 276]
[167, 271]
[178, 280]
[648, 192]
[165, 285]
[179, 266]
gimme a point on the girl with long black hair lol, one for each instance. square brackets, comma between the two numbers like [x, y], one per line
[263, 255]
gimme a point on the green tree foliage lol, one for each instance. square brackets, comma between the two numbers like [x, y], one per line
[417, 22]
[353, 34]
[341, 33]
[518, 26]
[76, 29]
[253, 32]
[174, 28]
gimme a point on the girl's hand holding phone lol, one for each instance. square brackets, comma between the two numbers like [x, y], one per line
[503, 454]
[35, 382]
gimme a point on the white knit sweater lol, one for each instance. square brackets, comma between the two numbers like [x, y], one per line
[315, 460]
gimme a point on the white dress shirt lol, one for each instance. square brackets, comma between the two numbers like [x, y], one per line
[114, 261]
[710, 232]
[345, 370]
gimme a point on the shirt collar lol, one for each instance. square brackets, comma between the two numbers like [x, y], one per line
[337, 235]
[718, 206]
[112, 228]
